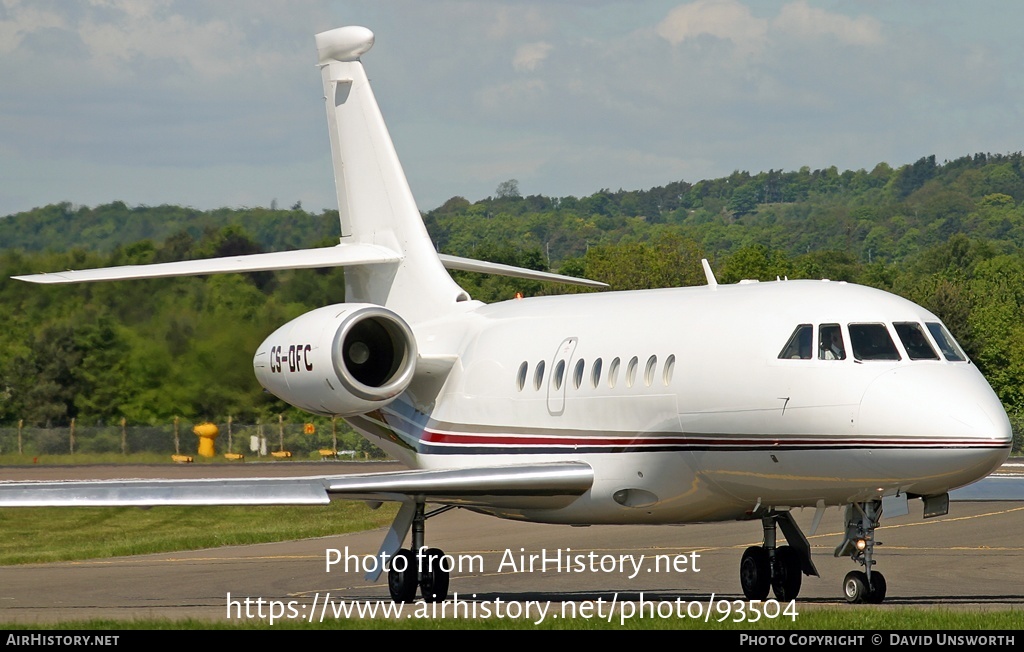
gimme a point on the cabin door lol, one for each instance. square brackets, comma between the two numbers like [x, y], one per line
[560, 376]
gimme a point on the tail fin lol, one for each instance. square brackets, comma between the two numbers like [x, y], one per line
[375, 203]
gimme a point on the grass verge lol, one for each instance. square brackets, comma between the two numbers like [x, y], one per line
[49, 534]
[850, 619]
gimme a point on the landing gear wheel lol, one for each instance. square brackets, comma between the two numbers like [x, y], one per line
[755, 573]
[788, 574]
[855, 587]
[877, 591]
[433, 579]
[402, 583]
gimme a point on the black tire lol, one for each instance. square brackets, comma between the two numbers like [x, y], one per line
[755, 573]
[876, 593]
[855, 587]
[433, 579]
[402, 576]
[788, 574]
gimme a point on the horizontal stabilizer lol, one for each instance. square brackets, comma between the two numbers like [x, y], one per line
[470, 265]
[532, 485]
[336, 256]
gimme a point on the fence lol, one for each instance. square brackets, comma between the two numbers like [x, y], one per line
[302, 440]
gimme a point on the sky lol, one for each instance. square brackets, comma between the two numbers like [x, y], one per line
[213, 104]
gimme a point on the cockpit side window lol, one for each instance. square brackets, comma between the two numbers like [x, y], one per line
[830, 342]
[914, 341]
[872, 342]
[799, 345]
[946, 343]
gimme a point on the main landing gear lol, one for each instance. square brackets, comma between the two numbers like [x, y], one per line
[779, 569]
[859, 543]
[420, 567]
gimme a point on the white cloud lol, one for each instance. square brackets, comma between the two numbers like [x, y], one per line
[510, 22]
[724, 19]
[24, 19]
[530, 55]
[803, 20]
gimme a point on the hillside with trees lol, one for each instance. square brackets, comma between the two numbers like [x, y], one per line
[947, 235]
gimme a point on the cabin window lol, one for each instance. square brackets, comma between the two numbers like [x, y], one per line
[946, 343]
[652, 363]
[799, 345]
[613, 373]
[631, 371]
[595, 373]
[558, 375]
[538, 375]
[830, 342]
[872, 342]
[577, 374]
[521, 376]
[915, 341]
[670, 366]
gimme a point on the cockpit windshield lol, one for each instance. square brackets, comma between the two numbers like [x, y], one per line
[872, 341]
[799, 345]
[946, 343]
[914, 341]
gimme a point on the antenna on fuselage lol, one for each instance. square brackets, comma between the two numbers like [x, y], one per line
[708, 274]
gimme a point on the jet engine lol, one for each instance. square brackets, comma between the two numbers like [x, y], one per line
[342, 360]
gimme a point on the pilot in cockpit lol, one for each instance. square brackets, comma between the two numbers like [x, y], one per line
[830, 343]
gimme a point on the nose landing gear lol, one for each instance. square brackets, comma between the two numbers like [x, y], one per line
[859, 543]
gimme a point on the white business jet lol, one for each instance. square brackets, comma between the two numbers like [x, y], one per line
[711, 403]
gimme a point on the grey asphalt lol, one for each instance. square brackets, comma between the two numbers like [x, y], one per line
[971, 558]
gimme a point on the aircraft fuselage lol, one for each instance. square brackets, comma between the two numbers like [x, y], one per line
[684, 405]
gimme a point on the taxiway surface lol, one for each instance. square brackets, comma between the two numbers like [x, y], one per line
[974, 557]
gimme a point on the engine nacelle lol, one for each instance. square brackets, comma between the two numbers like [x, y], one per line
[345, 359]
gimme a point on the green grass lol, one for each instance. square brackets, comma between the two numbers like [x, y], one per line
[67, 459]
[82, 459]
[849, 619]
[48, 534]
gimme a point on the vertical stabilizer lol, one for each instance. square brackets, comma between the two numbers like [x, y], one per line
[375, 203]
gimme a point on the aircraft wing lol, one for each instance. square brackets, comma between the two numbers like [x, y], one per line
[530, 485]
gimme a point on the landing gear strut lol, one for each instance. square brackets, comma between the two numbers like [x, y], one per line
[859, 543]
[420, 567]
[779, 569]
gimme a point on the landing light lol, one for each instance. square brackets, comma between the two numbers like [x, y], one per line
[861, 544]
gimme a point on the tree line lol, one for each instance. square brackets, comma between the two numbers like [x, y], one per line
[946, 235]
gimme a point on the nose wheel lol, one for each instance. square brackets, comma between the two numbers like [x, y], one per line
[867, 586]
[857, 589]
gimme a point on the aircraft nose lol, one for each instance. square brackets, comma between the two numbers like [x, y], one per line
[945, 402]
[939, 406]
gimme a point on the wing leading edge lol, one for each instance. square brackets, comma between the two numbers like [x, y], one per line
[531, 485]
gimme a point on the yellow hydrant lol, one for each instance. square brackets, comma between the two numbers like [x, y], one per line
[206, 432]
